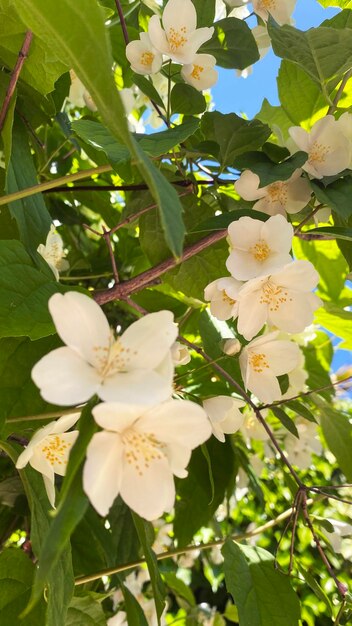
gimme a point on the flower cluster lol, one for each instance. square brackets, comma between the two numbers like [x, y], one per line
[176, 38]
[147, 436]
[266, 288]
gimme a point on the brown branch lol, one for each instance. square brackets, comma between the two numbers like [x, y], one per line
[137, 187]
[22, 55]
[123, 290]
[306, 393]
[122, 21]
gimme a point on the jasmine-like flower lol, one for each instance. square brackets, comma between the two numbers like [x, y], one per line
[281, 197]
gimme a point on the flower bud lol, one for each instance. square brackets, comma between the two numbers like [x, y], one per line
[231, 347]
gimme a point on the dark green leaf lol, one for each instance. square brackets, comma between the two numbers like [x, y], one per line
[301, 410]
[32, 217]
[146, 536]
[123, 533]
[179, 588]
[222, 221]
[157, 144]
[337, 196]
[85, 611]
[205, 12]
[133, 609]
[187, 100]
[268, 171]
[232, 44]
[233, 134]
[16, 578]
[147, 87]
[263, 595]
[315, 587]
[335, 232]
[285, 420]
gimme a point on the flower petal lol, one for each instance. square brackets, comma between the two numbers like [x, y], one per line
[247, 186]
[102, 472]
[65, 422]
[252, 314]
[283, 356]
[264, 386]
[148, 340]
[144, 386]
[64, 378]
[81, 324]
[278, 233]
[117, 416]
[180, 14]
[179, 457]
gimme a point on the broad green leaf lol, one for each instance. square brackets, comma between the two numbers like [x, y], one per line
[276, 118]
[145, 531]
[337, 321]
[233, 135]
[32, 217]
[232, 44]
[300, 96]
[59, 583]
[300, 409]
[345, 246]
[337, 196]
[126, 546]
[179, 588]
[316, 588]
[343, 4]
[323, 53]
[72, 506]
[268, 171]
[196, 505]
[263, 595]
[85, 611]
[80, 26]
[219, 222]
[337, 431]
[18, 394]
[133, 609]
[42, 67]
[24, 294]
[16, 578]
[205, 12]
[92, 545]
[187, 100]
[285, 420]
[6, 131]
[337, 232]
[147, 87]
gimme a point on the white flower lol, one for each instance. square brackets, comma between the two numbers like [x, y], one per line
[200, 73]
[222, 295]
[252, 428]
[282, 299]
[280, 10]
[49, 449]
[142, 55]
[263, 360]
[224, 415]
[258, 248]
[180, 354]
[327, 146]
[78, 95]
[120, 619]
[240, 12]
[163, 540]
[138, 452]
[188, 559]
[53, 252]
[299, 451]
[126, 369]
[341, 530]
[281, 197]
[297, 379]
[180, 38]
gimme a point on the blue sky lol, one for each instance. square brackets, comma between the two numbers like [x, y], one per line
[246, 95]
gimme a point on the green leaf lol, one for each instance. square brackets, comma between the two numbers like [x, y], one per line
[19, 396]
[85, 611]
[337, 431]
[337, 196]
[337, 232]
[42, 68]
[187, 100]
[195, 505]
[24, 294]
[133, 609]
[233, 134]
[60, 582]
[179, 588]
[123, 533]
[309, 50]
[222, 221]
[232, 44]
[32, 217]
[80, 26]
[6, 131]
[96, 135]
[146, 536]
[72, 506]
[275, 116]
[337, 321]
[147, 87]
[16, 577]
[315, 587]
[300, 96]
[268, 171]
[157, 144]
[285, 420]
[263, 595]
[205, 12]
[300, 409]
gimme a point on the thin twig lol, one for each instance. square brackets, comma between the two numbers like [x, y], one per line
[122, 21]
[22, 55]
[305, 393]
[308, 218]
[106, 235]
[332, 108]
[122, 290]
[178, 551]
[137, 187]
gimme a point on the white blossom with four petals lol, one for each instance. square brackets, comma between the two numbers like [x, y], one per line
[280, 10]
[135, 367]
[139, 451]
[53, 252]
[222, 295]
[280, 197]
[200, 73]
[224, 415]
[263, 360]
[258, 248]
[143, 57]
[328, 147]
[49, 449]
[180, 38]
[283, 300]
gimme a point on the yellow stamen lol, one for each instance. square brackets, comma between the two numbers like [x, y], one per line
[260, 250]
[258, 362]
[197, 70]
[147, 59]
[177, 38]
